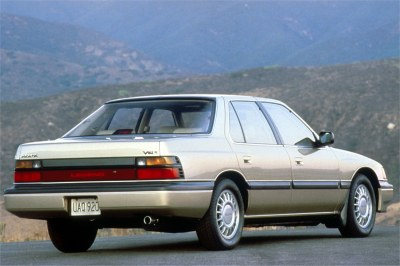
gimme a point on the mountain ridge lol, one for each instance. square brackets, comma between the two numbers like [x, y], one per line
[358, 102]
[214, 37]
[41, 58]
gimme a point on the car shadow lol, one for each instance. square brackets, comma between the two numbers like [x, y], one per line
[284, 237]
[191, 243]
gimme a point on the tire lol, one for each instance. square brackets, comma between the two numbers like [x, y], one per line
[221, 227]
[361, 209]
[71, 236]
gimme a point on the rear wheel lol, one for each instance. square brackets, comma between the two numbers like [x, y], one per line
[361, 210]
[71, 236]
[221, 227]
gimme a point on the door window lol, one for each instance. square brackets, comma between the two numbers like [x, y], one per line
[292, 130]
[235, 129]
[253, 123]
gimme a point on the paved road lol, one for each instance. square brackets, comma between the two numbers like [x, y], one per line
[310, 246]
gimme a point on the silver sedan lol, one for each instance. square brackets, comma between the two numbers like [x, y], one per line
[209, 163]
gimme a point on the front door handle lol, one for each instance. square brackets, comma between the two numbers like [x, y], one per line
[299, 161]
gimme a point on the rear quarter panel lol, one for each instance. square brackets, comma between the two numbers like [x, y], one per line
[202, 158]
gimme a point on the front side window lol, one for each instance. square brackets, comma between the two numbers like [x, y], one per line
[253, 123]
[292, 130]
[148, 117]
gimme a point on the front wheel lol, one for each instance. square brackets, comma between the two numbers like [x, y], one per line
[221, 227]
[361, 210]
[70, 236]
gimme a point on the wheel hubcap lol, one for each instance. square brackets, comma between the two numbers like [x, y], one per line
[227, 214]
[363, 206]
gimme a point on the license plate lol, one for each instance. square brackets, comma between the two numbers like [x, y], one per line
[85, 207]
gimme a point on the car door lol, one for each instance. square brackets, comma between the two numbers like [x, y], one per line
[265, 164]
[315, 170]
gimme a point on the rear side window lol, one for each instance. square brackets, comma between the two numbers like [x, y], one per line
[235, 129]
[255, 127]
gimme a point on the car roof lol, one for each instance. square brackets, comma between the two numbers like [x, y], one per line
[194, 96]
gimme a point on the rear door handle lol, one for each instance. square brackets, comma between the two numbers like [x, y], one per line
[247, 159]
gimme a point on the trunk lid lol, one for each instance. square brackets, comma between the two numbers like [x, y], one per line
[88, 148]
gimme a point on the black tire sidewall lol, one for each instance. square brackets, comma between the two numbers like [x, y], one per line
[71, 236]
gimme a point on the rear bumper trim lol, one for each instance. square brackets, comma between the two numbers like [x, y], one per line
[180, 199]
[109, 187]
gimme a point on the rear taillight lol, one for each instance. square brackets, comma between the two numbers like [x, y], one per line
[28, 164]
[156, 168]
[157, 173]
[27, 171]
[146, 168]
[27, 176]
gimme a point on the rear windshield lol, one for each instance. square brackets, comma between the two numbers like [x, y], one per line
[148, 117]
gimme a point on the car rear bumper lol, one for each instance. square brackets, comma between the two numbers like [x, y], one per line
[385, 195]
[184, 199]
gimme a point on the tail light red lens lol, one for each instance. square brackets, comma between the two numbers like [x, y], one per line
[87, 175]
[153, 168]
[157, 173]
[96, 175]
[74, 175]
[27, 176]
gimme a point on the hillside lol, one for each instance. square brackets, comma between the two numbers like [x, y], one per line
[40, 58]
[359, 102]
[226, 36]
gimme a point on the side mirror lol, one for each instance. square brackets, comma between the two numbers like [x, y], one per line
[325, 139]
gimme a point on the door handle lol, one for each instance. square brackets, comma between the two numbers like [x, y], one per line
[299, 161]
[247, 159]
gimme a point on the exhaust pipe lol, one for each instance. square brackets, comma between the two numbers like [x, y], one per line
[148, 220]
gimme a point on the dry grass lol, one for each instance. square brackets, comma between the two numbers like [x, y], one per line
[14, 229]
[391, 217]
